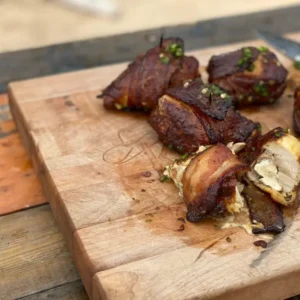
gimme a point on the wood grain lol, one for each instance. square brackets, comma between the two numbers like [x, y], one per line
[181, 274]
[19, 187]
[100, 172]
[70, 291]
[34, 256]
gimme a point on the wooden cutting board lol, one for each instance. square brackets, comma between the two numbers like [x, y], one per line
[100, 172]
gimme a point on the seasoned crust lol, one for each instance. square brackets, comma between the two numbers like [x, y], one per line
[186, 121]
[177, 125]
[148, 77]
[254, 78]
[263, 210]
[296, 112]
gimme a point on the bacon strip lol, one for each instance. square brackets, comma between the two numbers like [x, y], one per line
[148, 77]
[296, 112]
[250, 75]
[263, 210]
[209, 182]
[187, 117]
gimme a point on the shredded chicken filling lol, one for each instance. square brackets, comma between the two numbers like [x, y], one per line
[276, 168]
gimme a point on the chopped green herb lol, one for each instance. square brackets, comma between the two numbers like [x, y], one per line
[176, 50]
[253, 148]
[170, 146]
[164, 178]
[148, 221]
[179, 53]
[164, 59]
[179, 148]
[263, 49]
[297, 65]
[185, 156]
[286, 130]
[250, 68]
[261, 89]
[247, 52]
[241, 62]
[216, 90]
[277, 134]
[259, 127]
[173, 48]
[213, 90]
[246, 59]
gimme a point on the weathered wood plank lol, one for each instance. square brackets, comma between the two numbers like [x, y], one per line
[70, 291]
[19, 187]
[34, 256]
[100, 51]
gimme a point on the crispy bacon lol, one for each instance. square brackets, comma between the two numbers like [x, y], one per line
[254, 146]
[149, 75]
[296, 112]
[187, 117]
[250, 75]
[263, 210]
[209, 182]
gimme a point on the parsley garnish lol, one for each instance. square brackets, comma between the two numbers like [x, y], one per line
[277, 134]
[263, 49]
[259, 127]
[250, 68]
[176, 50]
[164, 178]
[185, 156]
[261, 89]
[297, 65]
[164, 59]
[246, 59]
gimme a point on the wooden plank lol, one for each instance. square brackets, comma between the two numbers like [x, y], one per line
[19, 187]
[192, 273]
[79, 55]
[100, 172]
[69, 291]
[34, 256]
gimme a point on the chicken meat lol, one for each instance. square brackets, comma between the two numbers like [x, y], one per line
[274, 164]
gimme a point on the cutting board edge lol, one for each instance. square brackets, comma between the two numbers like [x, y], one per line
[273, 287]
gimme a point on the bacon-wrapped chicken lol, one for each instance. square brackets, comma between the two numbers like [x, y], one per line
[274, 164]
[296, 112]
[196, 114]
[250, 75]
[149, 76]
[207, 180]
